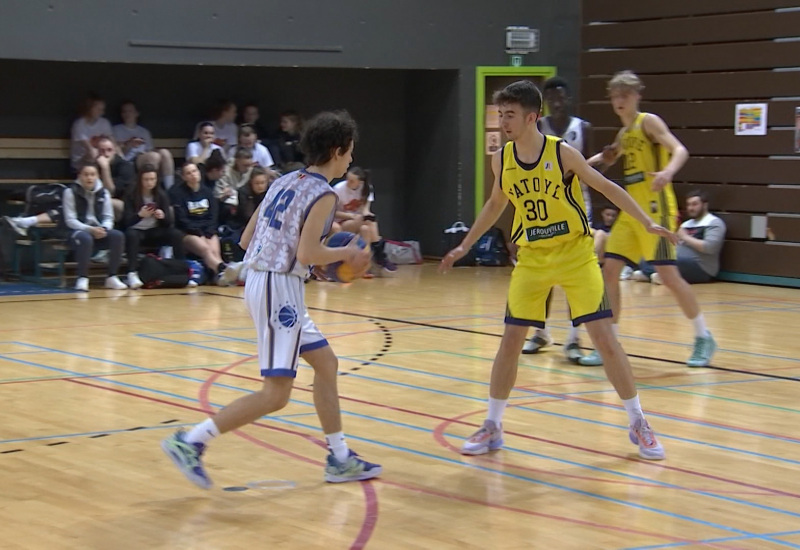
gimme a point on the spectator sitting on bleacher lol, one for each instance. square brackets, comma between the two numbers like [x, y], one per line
[212, 169]
[225, 129]
[117, 174]
[86, 130]
[289, 142]
[602, 227]
[353, 213]
[200, 149]
[251, 195]
[136, 144]
[148, 221]
[90, 217]
[248, 139]
[250, 117]
[701, 239]
[236, 174]
[196, 216]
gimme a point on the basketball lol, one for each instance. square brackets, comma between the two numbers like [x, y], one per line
[342, 272]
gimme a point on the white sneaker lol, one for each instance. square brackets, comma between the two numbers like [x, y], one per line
[541, 339]
[488, 438]
[82, 284]
[627, 271]
[191, 284]
[230, 275]
[14, 223]
[114, 283]
[656, 279]
[134, 281]
[639, 275]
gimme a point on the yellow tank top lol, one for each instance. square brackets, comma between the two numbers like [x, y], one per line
[549, 207]
[641, 156]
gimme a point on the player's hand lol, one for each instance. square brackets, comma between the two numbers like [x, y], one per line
[656, 229]
[682, 234]
[610, 154]
[451, 258]
[358, 258]
[660, 179]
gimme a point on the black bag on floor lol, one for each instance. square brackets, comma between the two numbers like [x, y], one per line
[453, 236]
[159, 273]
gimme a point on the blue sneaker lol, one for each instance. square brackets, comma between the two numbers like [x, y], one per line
[704, 348]
[352, 469]
[186, 457]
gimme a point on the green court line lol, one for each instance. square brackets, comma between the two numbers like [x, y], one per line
[645, 386]
[111, 373]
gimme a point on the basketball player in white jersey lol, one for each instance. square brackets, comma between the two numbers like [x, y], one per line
[283, 238]
[578, 134]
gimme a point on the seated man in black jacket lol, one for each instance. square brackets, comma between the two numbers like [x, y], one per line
[196, 212]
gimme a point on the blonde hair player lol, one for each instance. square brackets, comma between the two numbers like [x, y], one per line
[651, 155]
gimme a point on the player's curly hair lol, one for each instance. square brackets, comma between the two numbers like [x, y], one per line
[523, 92]
[327, 133]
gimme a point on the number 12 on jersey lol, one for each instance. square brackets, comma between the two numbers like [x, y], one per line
[277, 207]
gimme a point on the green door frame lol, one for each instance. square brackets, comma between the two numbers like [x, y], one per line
[480, 116]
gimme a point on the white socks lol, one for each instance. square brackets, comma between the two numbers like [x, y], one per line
[496, 409]
[700, 329]
[203, 432]
[26, 221]
[633, 408]
[338, 446]
[572, 337]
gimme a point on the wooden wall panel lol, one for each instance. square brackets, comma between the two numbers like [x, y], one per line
[713, 57]
[754, 170]
[630, 10]
[693, 30]
[690, 114]
[721, 142]
[761, 258]
[745, 198]
[736, 85]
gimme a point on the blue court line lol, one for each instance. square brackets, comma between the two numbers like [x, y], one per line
[711, 541]
[558, 396]
[482, 400]
[562, 487]
[436, 457]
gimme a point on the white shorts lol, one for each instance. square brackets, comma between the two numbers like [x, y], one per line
[277, 305]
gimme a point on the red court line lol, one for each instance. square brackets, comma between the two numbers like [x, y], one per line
[371, 508]
[99, 375]
[373, 520]
[556, 443]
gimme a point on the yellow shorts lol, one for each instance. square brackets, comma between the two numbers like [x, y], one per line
[630, 242]
[572, 266]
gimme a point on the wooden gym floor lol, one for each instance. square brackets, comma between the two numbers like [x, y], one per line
[90, 384]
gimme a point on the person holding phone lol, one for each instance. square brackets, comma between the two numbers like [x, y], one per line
[148, 219]
[353, 213]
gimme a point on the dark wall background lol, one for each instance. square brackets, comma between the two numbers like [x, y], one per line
[404, 69]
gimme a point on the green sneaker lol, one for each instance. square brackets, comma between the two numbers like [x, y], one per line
[591, 360]
[704, 348]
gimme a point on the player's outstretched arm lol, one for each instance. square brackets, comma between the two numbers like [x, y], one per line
[311, 251]
[491, 212]
[574, 162]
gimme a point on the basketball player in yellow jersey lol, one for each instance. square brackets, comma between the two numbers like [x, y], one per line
[539, 175]
[645, 143]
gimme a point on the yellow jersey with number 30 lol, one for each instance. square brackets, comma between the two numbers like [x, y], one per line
[641, 156]
[549, 205]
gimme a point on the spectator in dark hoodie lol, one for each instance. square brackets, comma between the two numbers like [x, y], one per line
[196, 212]
[149, 221]
[90, 217]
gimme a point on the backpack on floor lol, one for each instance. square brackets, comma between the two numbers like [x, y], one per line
[491, 250]
[453, 236]
[159, 273]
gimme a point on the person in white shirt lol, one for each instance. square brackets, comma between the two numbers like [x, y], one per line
[225, 129]
[136, 144]
[353, 214]
[87, 130]
[200, 149]
[248, 139]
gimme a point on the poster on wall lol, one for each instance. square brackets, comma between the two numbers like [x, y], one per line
[492, 117]
[797, 129]
[493, 143]
[751, 119]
